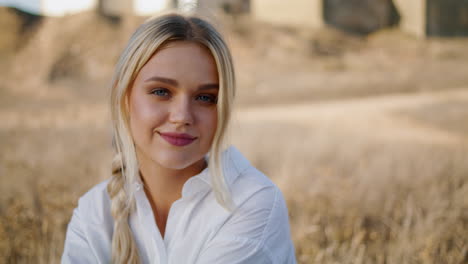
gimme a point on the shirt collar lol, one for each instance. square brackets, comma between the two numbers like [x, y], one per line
[234, 163]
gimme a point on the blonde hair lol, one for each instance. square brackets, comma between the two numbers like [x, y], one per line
[143, 44]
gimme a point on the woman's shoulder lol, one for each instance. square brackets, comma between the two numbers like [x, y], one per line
[256, 197]
[244, 179]
[260, 220]
[89, 232]
[249, 184]
[252, 183]
[97, 193]
[95, 203]
[254, 191]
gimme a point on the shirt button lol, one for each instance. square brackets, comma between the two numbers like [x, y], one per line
[137, 186]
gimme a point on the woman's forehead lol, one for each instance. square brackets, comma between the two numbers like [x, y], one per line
[182, 59]
[183, 44]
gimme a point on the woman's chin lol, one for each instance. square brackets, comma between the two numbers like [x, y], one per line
[176, 162]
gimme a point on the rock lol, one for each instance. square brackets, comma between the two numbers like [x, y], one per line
[360, 16]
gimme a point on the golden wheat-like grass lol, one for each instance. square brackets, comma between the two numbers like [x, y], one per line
[352, 197]
[350, 201]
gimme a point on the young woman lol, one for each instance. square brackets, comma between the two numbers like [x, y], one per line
[177, 195]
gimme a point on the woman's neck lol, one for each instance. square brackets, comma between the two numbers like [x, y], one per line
[163, 186]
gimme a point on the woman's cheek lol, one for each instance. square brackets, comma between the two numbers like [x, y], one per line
[209, 118]
[146, 115]
[154, 117]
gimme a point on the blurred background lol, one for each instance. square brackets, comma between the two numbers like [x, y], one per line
[356, 109]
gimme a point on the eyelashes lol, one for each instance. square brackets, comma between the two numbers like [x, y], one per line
[208, 98]
[160, 92]
[204, 98]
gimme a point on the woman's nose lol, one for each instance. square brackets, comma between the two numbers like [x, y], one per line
[181, 112]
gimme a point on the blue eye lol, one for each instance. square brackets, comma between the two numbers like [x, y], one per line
[160, 92]
[207, 98]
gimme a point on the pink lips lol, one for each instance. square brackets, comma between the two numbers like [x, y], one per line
[177, 139]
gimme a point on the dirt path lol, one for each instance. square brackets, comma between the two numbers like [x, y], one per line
[380, 117]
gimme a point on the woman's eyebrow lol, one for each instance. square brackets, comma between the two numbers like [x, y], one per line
[211, 86]
[162, 79]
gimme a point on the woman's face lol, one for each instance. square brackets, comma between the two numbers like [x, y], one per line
[173, 115]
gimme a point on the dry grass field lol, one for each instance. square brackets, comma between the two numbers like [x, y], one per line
[366, 136]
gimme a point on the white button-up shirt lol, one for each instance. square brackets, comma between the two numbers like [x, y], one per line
[198, 229]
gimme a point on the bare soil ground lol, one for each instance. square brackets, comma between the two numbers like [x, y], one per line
[366, 136]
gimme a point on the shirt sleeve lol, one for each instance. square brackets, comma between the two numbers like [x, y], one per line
[258, 233]
[77, 249]
[234, 250]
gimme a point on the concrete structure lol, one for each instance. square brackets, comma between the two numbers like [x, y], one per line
[111, 7]
[434, 17]
[290, 13]
[418, 17]
[360, 16]
[51, 7]
[412, 16]
[447, 18]
[136, 7]
[356, 15]
[229, 6]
